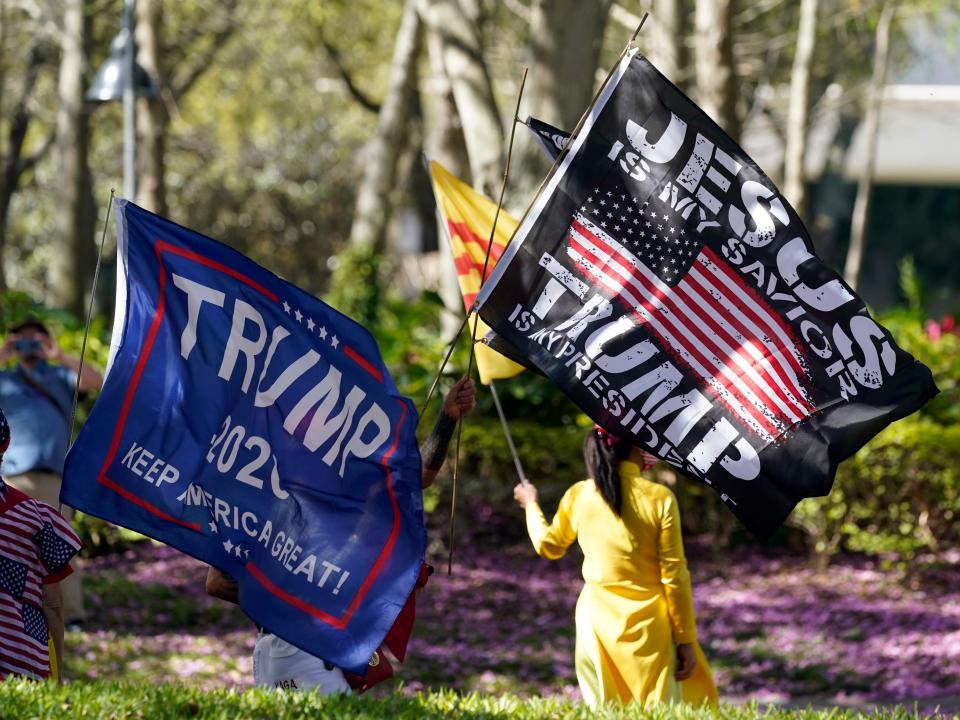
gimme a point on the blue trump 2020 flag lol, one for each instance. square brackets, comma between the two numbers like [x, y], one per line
[254, 427]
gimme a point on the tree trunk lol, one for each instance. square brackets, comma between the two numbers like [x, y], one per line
[668, 51]
[447, 146]
[871, 128]
[716, 78]
[798, 117]
[72, 264]
[464, 68]
[383, 152]
[151, 114]
[566, 37]
[12, 162]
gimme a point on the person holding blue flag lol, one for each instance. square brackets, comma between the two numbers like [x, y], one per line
[279, 664]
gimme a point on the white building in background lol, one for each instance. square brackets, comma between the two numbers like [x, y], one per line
[917, 164]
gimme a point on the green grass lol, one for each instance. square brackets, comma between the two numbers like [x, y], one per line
[26, 700]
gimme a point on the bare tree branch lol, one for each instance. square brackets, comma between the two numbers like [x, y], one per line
[20, 122]
[29, 162]
[519, 9]
[180, 85]
[334, 54]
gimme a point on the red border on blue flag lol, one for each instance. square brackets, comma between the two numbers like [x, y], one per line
[255, 572]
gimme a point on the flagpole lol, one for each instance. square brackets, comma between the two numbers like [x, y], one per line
[583, 118]
[473, 341]
[493, 389]
[506, 431]
[446, 359]
[86, 329]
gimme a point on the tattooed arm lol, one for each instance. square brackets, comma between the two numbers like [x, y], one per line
[458, 402]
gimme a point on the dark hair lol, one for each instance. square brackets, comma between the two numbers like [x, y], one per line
[31, 321]
[601, 460]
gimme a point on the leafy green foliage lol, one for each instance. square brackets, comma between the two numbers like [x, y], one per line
[24, 699]
[356, 287]
[901, 493]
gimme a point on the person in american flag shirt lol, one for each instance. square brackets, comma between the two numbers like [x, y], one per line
[36, 546]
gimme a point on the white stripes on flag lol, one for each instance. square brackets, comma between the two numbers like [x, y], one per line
[735, 344]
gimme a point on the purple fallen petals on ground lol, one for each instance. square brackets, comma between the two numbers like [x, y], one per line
[774, 627]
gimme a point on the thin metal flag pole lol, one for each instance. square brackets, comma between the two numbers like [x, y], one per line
[86, 329]
[509, 435]
[473, 341]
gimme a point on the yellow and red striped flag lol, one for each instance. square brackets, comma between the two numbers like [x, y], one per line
[469, 217]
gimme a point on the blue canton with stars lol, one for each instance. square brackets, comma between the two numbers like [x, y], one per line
[55, 552]
[13, 576]
[33, 623]
[664, 248]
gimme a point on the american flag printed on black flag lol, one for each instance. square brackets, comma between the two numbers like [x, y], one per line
[665, 285]
[55, 552]
[703, 314]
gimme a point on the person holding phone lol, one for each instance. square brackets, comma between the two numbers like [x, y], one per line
[37, 396]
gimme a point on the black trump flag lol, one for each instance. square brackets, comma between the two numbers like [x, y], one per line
[662, 281]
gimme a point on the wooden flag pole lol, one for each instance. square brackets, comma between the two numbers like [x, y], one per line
[562, 154]
[493, 388]
[473, 341]
[463, 323]
[446, 359]
[86, 330]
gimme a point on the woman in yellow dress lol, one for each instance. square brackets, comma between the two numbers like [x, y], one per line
[636, 632]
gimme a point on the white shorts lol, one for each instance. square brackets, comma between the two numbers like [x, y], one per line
[278, 664]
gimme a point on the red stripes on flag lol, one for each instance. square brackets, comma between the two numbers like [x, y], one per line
[711, 323]
[466, 262]
[20, 520]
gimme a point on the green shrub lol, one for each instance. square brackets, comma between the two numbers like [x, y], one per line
[900, 494]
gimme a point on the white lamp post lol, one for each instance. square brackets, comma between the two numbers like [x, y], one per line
[120, 77]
